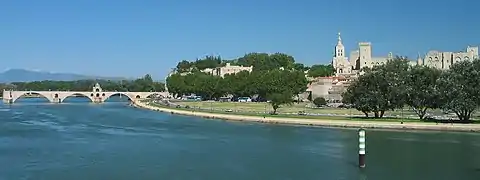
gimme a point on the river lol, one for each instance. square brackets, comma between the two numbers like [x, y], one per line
[78, 140]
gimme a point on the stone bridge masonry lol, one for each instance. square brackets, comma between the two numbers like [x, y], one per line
[96, 96]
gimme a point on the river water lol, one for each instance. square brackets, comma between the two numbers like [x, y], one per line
[78, 140]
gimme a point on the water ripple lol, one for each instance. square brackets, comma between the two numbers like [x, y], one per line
[113, 141]
[47, 124]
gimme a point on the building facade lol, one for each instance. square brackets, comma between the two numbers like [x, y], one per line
[348, 68]
[229, 69]
[443, 60]
[330, 88]
[219, 71]
[358, 59]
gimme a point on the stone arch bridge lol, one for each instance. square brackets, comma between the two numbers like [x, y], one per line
[96, 97]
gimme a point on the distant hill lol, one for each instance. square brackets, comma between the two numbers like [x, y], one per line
[22, 75]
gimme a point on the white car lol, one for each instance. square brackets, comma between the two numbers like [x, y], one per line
[244, 99]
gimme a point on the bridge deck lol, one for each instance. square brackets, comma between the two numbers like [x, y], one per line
[94, 96]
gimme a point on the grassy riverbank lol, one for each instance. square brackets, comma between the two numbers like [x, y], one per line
[254, 108]
[326, 121]
[338, 114]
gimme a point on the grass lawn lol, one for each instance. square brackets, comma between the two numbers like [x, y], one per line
[254, 107]
[257, 109]
[291, 111]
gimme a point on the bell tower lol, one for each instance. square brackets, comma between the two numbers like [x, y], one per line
[339, 48]
[340, 63]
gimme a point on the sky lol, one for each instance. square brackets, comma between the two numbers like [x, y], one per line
[129, 38]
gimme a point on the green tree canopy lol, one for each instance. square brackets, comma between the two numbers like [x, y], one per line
[369, 93]
[458, 88]
[321, 70]
[241, 84]
[422, 89]
[144, 84]
[381, 88]
[276, 72]
[279, 99]
[199, 64]
[319, 101]
[396, 83]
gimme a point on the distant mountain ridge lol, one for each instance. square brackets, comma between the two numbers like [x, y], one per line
[23, 75]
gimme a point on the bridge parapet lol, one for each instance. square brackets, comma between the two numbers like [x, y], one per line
[96, 97]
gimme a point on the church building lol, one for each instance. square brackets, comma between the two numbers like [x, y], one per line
[358, 59]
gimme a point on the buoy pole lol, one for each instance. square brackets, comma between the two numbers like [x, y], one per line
[361, 149]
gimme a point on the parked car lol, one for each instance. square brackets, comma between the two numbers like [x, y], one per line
[244, 99]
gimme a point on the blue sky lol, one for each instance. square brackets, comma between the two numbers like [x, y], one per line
[131, 38]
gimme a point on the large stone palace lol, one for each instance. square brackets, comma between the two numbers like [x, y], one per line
[443, 60]
[362, 57]
[348, 68]
[359, 58]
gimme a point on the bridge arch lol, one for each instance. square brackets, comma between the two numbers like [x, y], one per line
[23, 94]
[82, 94]
[108, 96]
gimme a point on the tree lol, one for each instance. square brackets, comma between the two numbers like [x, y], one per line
[240, 84]
[369, 94]
[394, 72]
[176, 85]
[300, 67]
[264, 61]
[319, 101]
[208, 62]
[259, 61]
[267, 77]
[278, 60]
[6, 86]
[458, 88]
[142, 84]
[184, 66]
[422, 89]
[320, 70]
[278, 99]
[380, 88]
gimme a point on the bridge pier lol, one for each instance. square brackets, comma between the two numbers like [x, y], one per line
[98, 100]
[57, 100]
[7, 101]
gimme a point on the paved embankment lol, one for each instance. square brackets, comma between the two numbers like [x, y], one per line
[322, 122]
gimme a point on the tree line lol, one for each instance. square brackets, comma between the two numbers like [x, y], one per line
[143, 84]
[278, 86]
[259, 61]
[276, 78]
[396, 84]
